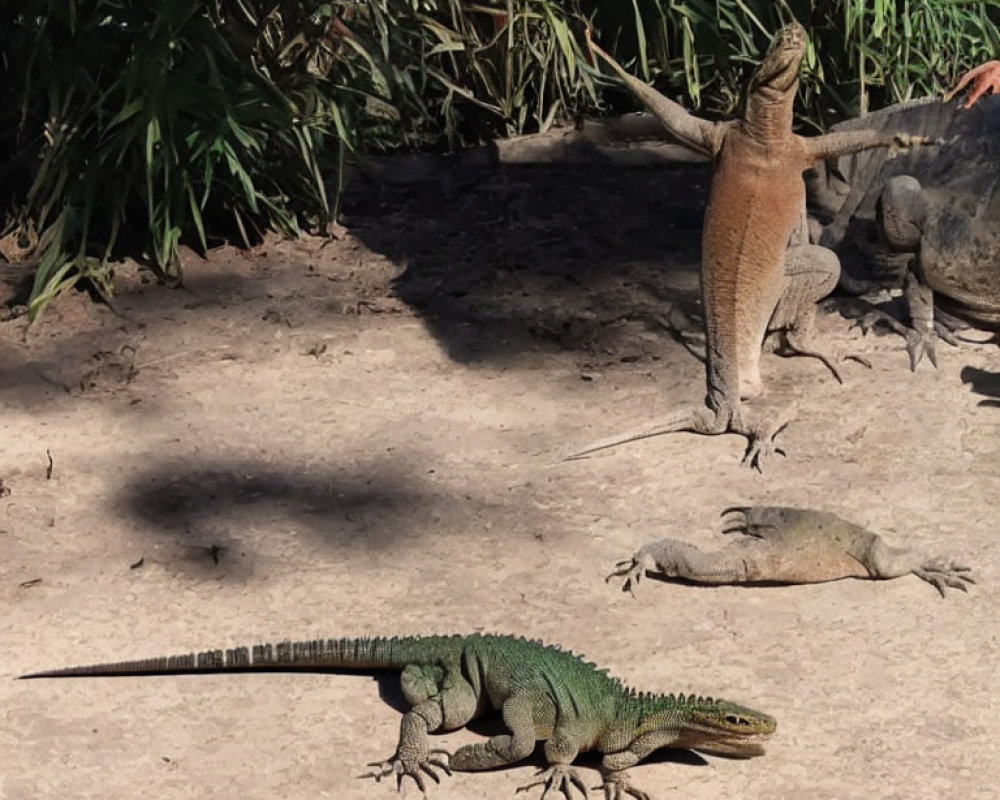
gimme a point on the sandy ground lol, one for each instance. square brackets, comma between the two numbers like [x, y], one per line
[362, 438]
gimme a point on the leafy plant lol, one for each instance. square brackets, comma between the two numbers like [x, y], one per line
[165, 117]
[194, 120]
[862, 53]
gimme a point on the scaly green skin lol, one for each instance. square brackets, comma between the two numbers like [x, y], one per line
[542, 692]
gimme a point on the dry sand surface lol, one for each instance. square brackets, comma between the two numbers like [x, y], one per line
[361, 437]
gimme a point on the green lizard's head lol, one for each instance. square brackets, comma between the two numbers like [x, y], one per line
[707, 725]
[780, 68]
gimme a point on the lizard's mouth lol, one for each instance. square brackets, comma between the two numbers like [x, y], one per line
[736, 747]
[780, 68]
[733, 735]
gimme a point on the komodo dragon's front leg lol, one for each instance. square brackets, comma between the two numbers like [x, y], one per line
[782, 545]
[699, 134]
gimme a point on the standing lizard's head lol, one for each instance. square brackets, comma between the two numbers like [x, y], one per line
[780, 68]
[708, 725]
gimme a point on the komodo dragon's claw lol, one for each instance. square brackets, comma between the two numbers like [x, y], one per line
[737, 523]
[872, 319]
[761, 446]
[632, 570]
[918, 345]
[759, 450]
[411, 767]
[941, 573]
[749, 520]
[921, 336]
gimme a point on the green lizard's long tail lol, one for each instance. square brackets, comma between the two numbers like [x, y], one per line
[315, 655]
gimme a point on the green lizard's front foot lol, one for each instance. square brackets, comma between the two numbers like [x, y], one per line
[415, 767]
[559, 778]
[617, 786]
[942, 572]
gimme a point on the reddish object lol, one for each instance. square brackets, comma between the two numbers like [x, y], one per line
[985, 79]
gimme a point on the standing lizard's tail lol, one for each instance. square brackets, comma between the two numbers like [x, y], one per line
[316, 655]
[682, 420]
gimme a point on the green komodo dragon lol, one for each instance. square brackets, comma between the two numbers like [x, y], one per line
[789, 545]
[541, 691]
[758, 271]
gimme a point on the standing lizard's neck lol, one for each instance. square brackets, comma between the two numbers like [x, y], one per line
[768, 116]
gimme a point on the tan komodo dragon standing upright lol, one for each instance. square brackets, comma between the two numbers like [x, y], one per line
[758, 271]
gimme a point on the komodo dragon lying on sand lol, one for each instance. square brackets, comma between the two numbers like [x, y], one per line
[542, 692]
[789, 545]
[927, 222]
[751, 280]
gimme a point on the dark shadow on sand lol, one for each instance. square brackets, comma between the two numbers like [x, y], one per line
[513, 258]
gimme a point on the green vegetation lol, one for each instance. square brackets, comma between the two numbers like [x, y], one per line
[863, 54]
[203, 120]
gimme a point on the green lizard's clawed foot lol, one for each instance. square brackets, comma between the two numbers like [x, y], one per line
[416, 768]
[559, 778]
[617, 786]
[942, 572]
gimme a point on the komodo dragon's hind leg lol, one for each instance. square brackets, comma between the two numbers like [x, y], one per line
[811, 273]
